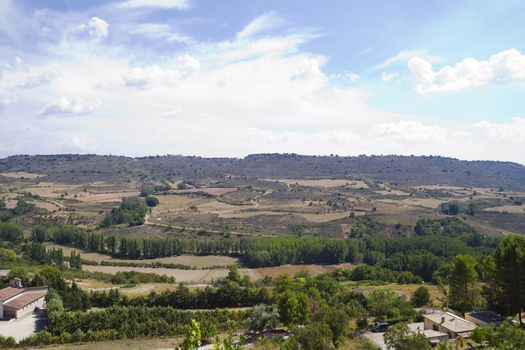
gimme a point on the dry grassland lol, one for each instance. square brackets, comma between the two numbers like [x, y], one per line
[329, 183]
[512, 209]
[87, 197]
[22, 175]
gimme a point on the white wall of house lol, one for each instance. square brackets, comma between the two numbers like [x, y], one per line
[10, 312]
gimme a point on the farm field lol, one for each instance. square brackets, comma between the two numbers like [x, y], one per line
[329, 183]
[267, 206]
[126, 344]
[22, 175]
[208, 276]
[194, 261]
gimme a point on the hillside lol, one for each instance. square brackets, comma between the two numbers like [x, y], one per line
[402, 170]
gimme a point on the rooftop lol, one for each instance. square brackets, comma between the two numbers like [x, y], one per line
[25, 299]
[9, 292]
[487, 316]
[451, 322]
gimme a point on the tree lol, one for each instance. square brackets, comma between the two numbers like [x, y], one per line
[315, 336]
[508, 282]
[399, 337]
[463, 283]
[152, 201]
[263, 318]
[293, 308]
[505, 336]
[420, 297]
[193, 336]
[10, 232]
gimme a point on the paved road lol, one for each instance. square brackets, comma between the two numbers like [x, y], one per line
[25, 326]
[377, 339]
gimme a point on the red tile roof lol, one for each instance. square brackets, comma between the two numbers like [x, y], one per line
[25, 299]
[10, 292]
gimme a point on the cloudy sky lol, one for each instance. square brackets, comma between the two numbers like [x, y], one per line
[230, 78]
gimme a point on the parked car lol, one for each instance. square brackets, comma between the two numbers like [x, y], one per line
[380, 327]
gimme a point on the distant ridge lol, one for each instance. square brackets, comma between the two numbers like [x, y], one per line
[403, 170]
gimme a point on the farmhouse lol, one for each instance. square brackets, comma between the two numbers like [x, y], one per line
[446, 322]
[16, 301]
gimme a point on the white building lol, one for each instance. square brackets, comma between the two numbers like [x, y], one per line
[16, 301]
[448, 323]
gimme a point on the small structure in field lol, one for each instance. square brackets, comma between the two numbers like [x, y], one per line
[17, 301]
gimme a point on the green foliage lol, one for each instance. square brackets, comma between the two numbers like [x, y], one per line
[193, 336]
[293, 308]
[505, 277]
[132, 212]
[384, 303]
[75, 262]
[504, 337]
[263, 318]
[10, 232]
[451, 208]
[23, 208]
[315, 336]
[152, 201]
[399, 337]
[421, 297]
[463, 284]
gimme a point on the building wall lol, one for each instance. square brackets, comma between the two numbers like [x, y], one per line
[437, 327]
[475, 320]
[10, 312]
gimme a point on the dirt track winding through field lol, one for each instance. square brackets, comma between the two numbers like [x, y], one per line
[197, 229]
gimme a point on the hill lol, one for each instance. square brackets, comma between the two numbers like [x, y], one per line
[402, 170]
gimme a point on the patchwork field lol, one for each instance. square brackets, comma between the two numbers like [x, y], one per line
[208, 276]
[268, 207]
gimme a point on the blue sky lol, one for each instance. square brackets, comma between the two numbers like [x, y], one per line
[229, 78]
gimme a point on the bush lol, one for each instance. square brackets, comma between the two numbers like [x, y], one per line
[420, 297]
[152, 201]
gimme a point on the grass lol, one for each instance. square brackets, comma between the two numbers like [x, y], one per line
[403, 290]
[127, 344]
[22, 175]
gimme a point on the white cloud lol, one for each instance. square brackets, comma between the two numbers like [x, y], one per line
[166, 4]
[154, 75]
[503, 67]
[6, 101]
[509, 132]
[160, 31]
[42, 79]
[308, 69]
[78, 144]
[260, 92]
[405, 56]
[96, 28]
[69, 106]
[261, 24]
[410, 130]
[388, 76]
[352, 76]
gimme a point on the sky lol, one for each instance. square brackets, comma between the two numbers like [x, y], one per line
[232, 78]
